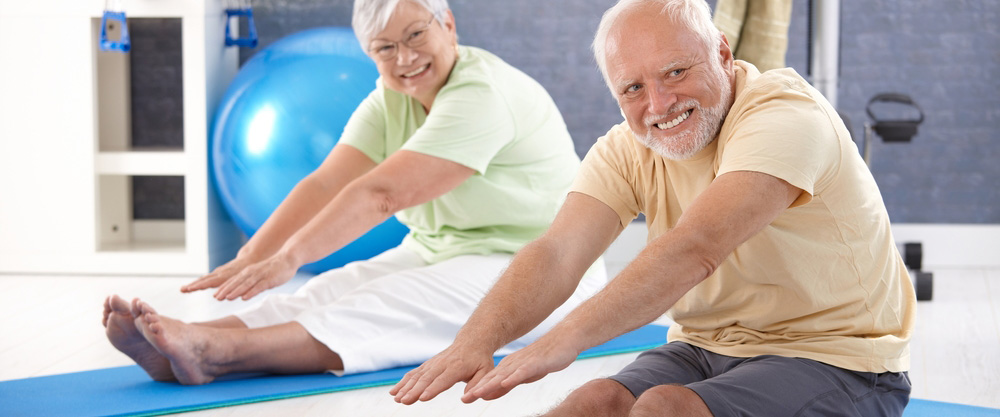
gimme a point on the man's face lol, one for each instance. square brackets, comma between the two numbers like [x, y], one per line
[674, 93]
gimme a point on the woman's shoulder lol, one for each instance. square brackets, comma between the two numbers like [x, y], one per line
[479, 69]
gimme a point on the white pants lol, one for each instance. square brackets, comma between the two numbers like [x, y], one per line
[397, 310]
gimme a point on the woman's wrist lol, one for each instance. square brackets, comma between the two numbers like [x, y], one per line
[289, 257]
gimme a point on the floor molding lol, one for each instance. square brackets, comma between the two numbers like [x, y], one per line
[953, 245]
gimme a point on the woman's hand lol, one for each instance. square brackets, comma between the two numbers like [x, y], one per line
[243, 278]
[257, 278]
[219, 275]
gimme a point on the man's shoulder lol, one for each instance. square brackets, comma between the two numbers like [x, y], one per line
[618, 136]
[775, 81]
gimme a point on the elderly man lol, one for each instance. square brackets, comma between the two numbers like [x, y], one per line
[769, 247]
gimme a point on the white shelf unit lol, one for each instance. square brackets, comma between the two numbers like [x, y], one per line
[66, 162]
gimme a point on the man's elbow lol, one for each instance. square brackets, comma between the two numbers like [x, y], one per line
[705, 256]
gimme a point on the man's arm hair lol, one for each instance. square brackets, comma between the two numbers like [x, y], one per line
[734, 208]
[543, 274]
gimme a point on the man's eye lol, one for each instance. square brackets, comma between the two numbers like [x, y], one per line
[633, 88]
[676, 72]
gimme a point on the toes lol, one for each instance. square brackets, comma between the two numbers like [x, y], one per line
[142, 307]
[136, 311]
[107, 311]
[118, 305]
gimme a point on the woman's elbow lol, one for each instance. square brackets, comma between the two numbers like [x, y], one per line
[377, 199]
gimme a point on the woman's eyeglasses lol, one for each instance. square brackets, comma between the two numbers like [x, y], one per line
[386, 51]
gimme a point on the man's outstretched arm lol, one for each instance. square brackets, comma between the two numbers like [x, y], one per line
[540, 278]
[734, 208]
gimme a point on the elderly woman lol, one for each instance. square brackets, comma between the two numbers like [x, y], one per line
[469, 152]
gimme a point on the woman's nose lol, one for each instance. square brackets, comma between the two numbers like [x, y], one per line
[406, 55]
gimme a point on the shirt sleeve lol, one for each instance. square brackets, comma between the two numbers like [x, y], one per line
[607, 174]
[366, 128]
[785, 134]
[469, 124]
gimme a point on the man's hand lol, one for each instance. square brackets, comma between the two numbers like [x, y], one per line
[522, 367]
[441, 372]
[235, 280]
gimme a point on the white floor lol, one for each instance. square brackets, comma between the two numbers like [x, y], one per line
[51, 325]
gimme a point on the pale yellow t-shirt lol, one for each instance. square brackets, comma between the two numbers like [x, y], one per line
[495, 119]
[824, 281]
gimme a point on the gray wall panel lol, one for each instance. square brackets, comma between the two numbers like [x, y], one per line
[942, 53]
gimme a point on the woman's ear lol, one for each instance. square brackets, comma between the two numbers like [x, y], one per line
[449, 26]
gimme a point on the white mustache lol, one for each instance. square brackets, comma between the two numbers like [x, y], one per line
[676, 108]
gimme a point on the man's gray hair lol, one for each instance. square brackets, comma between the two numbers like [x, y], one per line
[371, 16]
[696, 15]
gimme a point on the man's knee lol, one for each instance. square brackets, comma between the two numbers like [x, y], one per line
[670, 400]
[600, 397]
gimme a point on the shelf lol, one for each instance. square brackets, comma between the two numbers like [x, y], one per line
[118, 230]
[141, 163]
[151, 236]
[131, 192]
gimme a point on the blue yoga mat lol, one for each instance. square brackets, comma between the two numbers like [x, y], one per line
[128, 390]
[927, 408]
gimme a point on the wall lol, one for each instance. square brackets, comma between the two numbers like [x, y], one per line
[943, 54]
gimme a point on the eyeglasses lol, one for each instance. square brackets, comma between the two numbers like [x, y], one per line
[386, 51]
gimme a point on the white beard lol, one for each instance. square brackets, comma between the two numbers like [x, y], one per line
[686, 144]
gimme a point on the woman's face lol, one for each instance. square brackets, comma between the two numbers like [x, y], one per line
[414, 53]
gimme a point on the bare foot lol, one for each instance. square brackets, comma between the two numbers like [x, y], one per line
[184, 345]
[119, 325]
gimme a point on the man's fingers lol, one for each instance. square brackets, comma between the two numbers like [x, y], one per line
[440, 384]
[496, 394]
[476, 378]
[399, 385]
[489, 383]
[417, 379]
[520, 376]
[499, 384]
[415, 389]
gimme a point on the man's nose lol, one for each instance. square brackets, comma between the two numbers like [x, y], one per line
[661, 99]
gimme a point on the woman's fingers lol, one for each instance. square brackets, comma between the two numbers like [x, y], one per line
[217, 277]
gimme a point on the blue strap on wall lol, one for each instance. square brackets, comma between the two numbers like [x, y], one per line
[249, 41]
[124, 43]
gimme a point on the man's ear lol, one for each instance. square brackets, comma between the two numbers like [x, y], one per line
[725, 53]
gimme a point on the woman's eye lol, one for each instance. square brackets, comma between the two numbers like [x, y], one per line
[416, 34]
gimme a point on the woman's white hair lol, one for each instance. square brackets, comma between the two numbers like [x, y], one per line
[696, 15]
[371, 16]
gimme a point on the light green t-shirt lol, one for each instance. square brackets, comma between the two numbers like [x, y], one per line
[490, 117]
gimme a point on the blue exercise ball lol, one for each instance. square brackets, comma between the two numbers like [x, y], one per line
[280, 117]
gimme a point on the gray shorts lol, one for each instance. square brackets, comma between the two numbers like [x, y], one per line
[767, 385]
